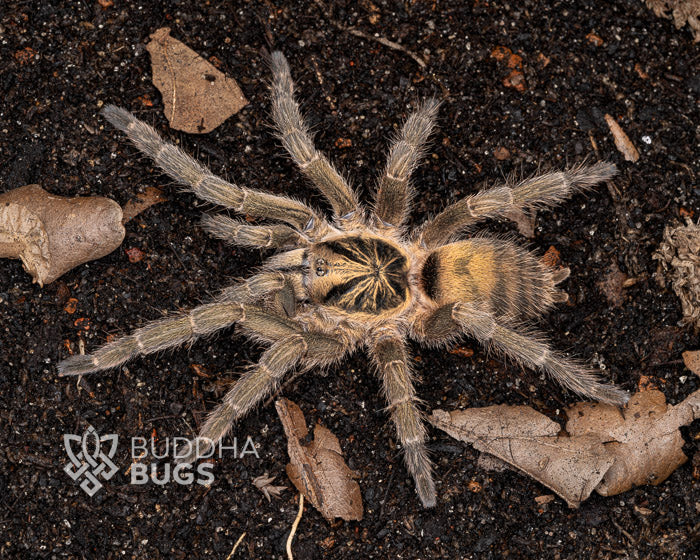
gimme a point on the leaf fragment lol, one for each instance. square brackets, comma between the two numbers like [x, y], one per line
[318, 469]
[197, 96]
[604, 448]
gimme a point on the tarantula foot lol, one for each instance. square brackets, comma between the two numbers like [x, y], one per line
[77, 365]
[426, 490]
[610, 394]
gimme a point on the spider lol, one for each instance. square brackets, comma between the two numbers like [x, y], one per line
[361, 279]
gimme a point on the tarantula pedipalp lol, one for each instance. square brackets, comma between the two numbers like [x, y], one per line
[360, 279]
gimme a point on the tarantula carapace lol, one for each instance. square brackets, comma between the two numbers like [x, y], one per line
[360, 279]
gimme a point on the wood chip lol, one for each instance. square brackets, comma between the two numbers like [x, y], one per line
[622, 141]
[318, 469]
[197, 96]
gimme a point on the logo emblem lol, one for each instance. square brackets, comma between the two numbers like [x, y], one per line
[90, 465]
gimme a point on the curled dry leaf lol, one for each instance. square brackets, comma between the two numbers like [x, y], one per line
[318, 469]
[53, 234]
[264, 484]
[607, 449]
[642, 439]
[197, 96]
[622, 141]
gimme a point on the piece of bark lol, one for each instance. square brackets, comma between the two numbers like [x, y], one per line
[53, 234]
[197, 96]
[622, 141]
[605, 449]
[318, 469]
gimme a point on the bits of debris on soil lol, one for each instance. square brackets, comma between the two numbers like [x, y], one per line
[679, 255]
[516, 78]
[612, 284]
[53, 234]
[143, 201]
[197, 96]
[682, 12]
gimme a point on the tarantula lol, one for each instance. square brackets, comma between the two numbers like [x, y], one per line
[361, 279]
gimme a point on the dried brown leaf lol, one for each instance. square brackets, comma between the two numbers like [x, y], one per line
[143, 201]
[317, 469]
[530, 442]
[607, 449]
[691, 359]
[622, 141]
[197, 96]
[53, 234]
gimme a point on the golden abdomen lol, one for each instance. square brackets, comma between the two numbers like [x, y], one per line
[497, 274]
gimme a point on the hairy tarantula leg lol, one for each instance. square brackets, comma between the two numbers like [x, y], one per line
[207, 186]
[156, 336]
[390, 357]
[531, 350]
[230, 307]
[393, 197]
[541, 190]
[242, 234]
[308, 349]
[296, 138]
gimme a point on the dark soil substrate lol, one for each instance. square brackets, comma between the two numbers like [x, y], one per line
[581, 60]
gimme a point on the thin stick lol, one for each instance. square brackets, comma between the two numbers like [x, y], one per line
[235, 546]
[359, 33]
[294, 527]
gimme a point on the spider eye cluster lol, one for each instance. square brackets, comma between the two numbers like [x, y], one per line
[321, 268]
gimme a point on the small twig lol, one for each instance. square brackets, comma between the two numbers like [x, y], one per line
[631, 539]
[359, 33]
[294, 527]
[386, 493]
[235, 546]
